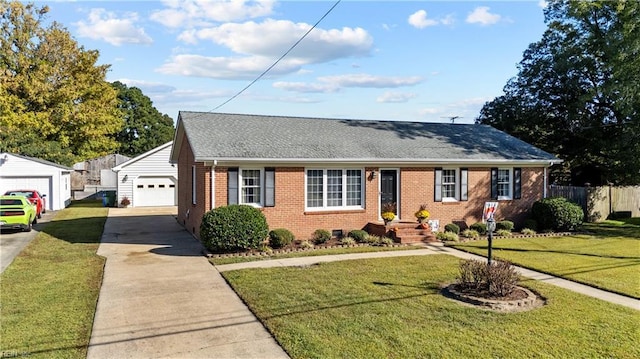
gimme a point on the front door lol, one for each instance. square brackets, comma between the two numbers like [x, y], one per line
[389, 188]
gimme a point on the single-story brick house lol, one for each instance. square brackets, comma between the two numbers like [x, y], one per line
[336, 174]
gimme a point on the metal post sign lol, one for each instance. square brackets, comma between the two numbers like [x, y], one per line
[489, 211]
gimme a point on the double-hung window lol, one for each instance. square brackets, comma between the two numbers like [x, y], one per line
[450, 184]
[334, 189]
[506, 183]
[251, 186]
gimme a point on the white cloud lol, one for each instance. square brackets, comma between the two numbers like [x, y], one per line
[395, 97]
[104, 25]
[448, 20]
[148, 86]
[273, 37]
[365, 80]
[224, 67]
[419, 20]
[330, 84]
[482, 16]
[189, 13]
[260, 51]
[543, 3]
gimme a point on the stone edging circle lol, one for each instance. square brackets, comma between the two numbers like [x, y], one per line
[532, 300]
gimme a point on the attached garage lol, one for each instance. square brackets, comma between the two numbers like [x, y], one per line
[148, 180]
[48, 178]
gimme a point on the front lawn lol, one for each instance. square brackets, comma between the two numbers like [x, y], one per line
[50, 291]
[392, 308]
[608, 257]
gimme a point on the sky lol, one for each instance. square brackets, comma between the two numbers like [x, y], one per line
[381, 60]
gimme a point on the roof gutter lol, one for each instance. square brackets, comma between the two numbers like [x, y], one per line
[378, 161]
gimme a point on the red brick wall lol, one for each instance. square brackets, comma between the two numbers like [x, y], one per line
[189, 214]
[416, 188]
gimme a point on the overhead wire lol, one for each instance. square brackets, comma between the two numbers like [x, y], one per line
[278, 60]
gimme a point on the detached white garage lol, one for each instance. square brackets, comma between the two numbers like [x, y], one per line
[48, 178]
[149, 180]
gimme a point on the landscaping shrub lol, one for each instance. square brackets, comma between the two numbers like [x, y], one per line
[531, 224]
[280, 237]
[386, 241]
[528, 232]
[321, 236]
[471, 234]
[372, 240]
[479, 227]
[499, 279]
[348, 241]
[306, 245]
[503, 233]
[508, 225]
[447, 236]
[359, 235]
[452, 227]
[557, 214]
[234, 227]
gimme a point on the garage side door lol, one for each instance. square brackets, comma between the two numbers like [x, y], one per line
[44, 185]
[154, 191]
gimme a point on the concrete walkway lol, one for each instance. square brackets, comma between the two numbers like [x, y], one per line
[160, 298]
[440, 249]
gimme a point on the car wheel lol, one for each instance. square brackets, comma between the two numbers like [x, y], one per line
[28, 227]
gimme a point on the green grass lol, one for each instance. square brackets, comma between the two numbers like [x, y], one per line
[310, 253]
[392, 308]
[50, 291]
[608, 257]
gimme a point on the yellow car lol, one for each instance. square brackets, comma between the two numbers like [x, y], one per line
[16, 212]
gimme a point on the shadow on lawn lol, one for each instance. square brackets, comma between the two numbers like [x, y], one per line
[427, 288]
[559, 252]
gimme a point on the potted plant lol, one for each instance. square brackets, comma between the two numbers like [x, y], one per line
[125, 202]
[422, 214]
[388, 212]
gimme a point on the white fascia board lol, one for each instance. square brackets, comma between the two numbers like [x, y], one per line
[139, 157]
[234, 161]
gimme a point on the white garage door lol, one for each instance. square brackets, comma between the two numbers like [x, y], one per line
[44, 185]
[154, 191]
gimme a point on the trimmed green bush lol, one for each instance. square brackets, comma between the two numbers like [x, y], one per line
[531, 224]
[280, 237]
[359, 235]
[503, 233]
[506, 225]
[232, 228]
[321, 236]
[471, 234]
[447, 236]
[557, 214]
[479, 227]
[452, 227]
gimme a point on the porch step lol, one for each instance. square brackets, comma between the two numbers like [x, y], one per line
[404, 232]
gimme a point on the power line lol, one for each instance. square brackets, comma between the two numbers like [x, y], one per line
[278, 60]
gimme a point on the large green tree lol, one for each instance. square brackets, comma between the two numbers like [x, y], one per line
[577, 92]
[144, 126]
[54, 101]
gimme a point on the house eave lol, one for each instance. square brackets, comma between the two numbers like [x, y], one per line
[231, 161]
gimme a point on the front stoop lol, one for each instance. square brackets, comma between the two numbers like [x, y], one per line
[403, 232]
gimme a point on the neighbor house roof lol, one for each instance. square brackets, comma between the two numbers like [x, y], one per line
[241, 138]
[39, 160]
[142, 156]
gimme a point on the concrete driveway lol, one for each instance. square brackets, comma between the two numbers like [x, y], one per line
[12, 242]
[160, 298]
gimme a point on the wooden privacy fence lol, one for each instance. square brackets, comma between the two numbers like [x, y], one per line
[599, 202]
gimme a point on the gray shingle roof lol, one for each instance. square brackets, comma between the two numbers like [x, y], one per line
[236, 136]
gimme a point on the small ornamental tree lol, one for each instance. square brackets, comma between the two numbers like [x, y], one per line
[232, 228]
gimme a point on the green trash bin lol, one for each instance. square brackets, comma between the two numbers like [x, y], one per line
[111, 198]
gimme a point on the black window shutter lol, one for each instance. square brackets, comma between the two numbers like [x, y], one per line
[464, 179]
[437, 191]
[269, 187]
[494, 183]
[232, 186]
[517, 183]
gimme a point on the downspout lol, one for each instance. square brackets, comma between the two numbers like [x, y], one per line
[544, 190]
[213, 184]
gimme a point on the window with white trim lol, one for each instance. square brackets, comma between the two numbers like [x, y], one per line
[504, 183]
[250, 187]
[449, 186]
[334, 188]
